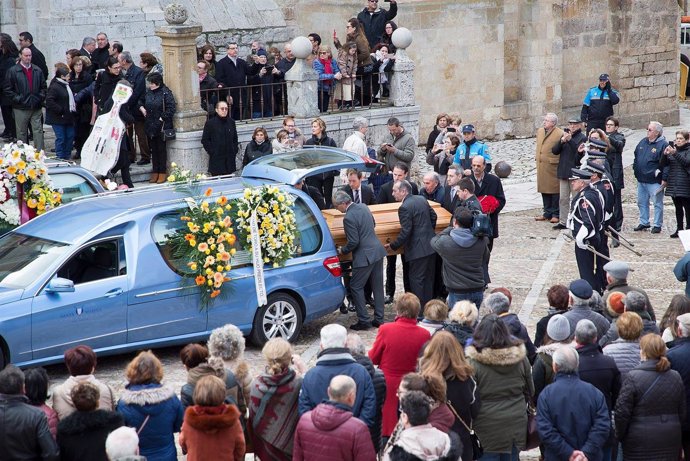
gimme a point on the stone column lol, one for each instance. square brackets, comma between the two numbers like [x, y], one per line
[402, 79]
[178, 42]
[302, 82]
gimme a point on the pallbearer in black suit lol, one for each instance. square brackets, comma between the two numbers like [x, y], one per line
[417, 227]
[451, 194]
[367, 258]
[358, 192]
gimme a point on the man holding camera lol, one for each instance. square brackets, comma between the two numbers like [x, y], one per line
[598, 104]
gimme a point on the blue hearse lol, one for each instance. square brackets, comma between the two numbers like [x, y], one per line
[99, 271]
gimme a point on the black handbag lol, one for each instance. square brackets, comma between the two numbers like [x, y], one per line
[477, 449]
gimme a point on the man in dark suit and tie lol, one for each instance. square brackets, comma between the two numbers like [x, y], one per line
[367, 258]
[417, 228]
[400, 172]
[358, 192]
[451, 194]
[232, 72]
[488, 185]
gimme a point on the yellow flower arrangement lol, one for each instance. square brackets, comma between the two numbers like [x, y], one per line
[275, 218]
[24, 167]
[205, 244]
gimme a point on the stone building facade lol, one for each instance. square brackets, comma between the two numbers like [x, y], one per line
[500, 63]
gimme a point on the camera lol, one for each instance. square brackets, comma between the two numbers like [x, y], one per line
[450, 129]
[566, 130]
[269, 68]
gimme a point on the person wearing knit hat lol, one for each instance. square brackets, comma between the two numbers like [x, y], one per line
[558, 334]
[614, 304]
[260, 78]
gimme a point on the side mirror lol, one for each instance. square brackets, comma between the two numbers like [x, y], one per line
[60, 285]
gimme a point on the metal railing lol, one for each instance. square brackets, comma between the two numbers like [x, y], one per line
[269, 100]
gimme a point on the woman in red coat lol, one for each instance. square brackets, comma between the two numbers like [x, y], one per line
[211, 428]
[395, 351]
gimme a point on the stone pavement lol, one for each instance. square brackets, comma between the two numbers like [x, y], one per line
[528, 258]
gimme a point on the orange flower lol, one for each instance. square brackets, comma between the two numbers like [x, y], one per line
[185, 218]
[200, 279]
[222, 200]
[225, 256]
[227, 222]
[202, 247]
[218, 277]
[231, 239]
[215, 293]
[208, 192]
[188, 237]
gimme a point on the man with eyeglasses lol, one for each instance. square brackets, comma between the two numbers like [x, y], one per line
[374, 19]
[614, 157]
[648, 154]
[598, 104]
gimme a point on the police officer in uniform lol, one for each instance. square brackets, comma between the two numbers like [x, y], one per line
[603, 184]
[585, 220]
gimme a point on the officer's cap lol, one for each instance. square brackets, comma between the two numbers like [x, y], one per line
[468, 129]
[595, 167]
[576, 173]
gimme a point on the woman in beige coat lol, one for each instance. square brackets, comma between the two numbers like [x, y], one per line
[547, 164]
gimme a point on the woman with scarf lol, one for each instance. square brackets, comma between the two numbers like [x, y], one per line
[328, 71]
[273, 412]
[60, 112]
[258, 146]
[383, 64]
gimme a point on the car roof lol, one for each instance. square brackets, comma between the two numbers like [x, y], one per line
[90, 212]
[58, 166]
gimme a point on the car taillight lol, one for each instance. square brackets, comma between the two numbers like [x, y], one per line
[332, 265]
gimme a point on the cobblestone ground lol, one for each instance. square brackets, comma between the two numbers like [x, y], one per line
[528, 258]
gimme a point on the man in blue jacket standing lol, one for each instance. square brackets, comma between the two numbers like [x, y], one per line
[572, 416]
[598, 104]
[648, 154]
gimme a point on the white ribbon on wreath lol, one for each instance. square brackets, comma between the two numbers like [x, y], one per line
[258, 261]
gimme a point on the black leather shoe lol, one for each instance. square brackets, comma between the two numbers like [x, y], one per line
[674, 235]
[560, 226]
[641, 227]
[388, 300]
[656, 230]
[143, 162]
[351, 308]
[359, 326]
[615, 243]
[343, 308]
[376, 324]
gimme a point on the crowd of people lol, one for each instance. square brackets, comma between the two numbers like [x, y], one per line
[607, 382]
[357, 73]
[79, 91]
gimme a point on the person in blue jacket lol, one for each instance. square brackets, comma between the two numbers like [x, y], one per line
[682, 270]
[468, 148]
[598, 104]
[151, 408]
[647, 168]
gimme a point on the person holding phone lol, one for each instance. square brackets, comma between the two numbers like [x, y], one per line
[261, 86]
[569, 157]
[373, 20]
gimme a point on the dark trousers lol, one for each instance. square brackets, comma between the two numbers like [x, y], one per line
[685, 437]
[372, 273]
[159, 154]
[138, 128]
[390, 275]
[82, 130]
[585, 265]
[617, 218]
[440, 291]
[682, 206]
[421, 272]
[8, 120]
[603, 248]
[550, 202]
[324, 99]
[325, 186]
[487, 278]
[122, 165]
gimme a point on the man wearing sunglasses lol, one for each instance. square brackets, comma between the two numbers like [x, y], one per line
[374, 19]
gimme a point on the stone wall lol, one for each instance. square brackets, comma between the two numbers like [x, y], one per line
[500, 63]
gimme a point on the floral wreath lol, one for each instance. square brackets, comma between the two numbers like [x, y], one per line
[23, 171]
[275, 220]
[206, 243]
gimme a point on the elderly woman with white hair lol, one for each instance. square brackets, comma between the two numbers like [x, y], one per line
[227, 342]
[462, 319]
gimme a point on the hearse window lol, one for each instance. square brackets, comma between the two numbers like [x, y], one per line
[165, 225]
[99, 261]
[23, 257]
[72, 186]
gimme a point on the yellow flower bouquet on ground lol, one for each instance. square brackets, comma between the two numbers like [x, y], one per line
[275, 220]
[207, 243]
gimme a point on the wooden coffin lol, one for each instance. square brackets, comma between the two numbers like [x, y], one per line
[387, 224]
